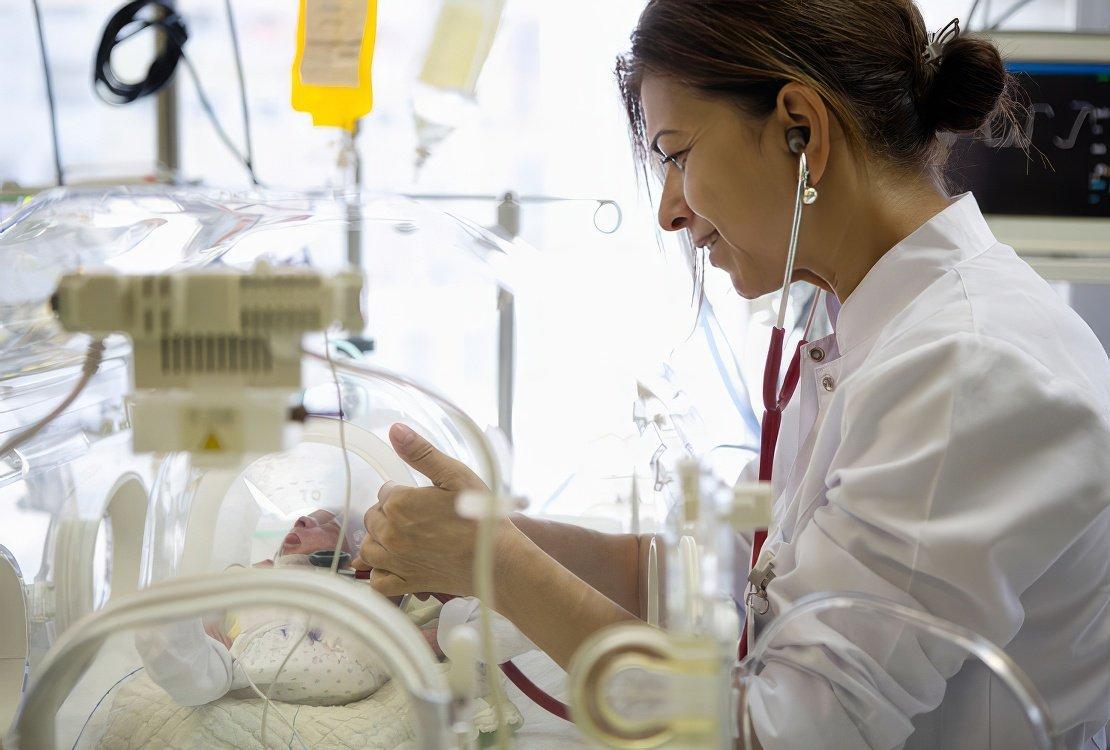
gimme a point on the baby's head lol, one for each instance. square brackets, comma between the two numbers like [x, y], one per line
[319, 530]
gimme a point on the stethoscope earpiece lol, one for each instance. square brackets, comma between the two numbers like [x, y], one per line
[797, 138]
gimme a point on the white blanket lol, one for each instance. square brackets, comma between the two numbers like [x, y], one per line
[143, 716]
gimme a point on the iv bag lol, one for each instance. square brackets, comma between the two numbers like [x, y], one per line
[458, 49]
[331, 68]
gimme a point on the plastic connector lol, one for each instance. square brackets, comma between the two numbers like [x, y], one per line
[751, 506]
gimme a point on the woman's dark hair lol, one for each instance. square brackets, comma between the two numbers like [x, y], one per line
[866, 58]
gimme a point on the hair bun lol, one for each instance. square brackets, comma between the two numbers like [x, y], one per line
[968, 82]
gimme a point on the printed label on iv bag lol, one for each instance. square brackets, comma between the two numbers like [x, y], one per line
[332, 42]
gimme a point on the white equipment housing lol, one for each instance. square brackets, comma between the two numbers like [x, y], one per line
[216, 351]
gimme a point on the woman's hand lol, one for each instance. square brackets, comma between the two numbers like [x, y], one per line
[415, 541]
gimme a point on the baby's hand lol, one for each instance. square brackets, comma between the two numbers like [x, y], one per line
[212, 628]
[431, 635]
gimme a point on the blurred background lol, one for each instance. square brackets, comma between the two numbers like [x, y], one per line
[603, 309]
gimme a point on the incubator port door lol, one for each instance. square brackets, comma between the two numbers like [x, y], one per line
[13, 636]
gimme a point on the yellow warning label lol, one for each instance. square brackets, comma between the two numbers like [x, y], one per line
[211, 443]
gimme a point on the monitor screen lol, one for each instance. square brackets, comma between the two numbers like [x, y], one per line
[1060, 166]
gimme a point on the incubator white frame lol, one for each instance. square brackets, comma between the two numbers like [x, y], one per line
[370, 617]
[1060, 249]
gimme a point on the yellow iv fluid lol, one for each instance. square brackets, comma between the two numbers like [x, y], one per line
[460, 44]
[444, 92]
[331, 69]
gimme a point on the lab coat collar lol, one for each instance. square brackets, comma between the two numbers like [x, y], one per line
[955, 234]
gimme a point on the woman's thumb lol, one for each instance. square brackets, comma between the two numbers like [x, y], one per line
[442, 470]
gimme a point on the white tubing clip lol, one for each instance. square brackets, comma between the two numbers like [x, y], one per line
[751, 506]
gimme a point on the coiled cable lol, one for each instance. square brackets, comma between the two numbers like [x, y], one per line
[138, 16]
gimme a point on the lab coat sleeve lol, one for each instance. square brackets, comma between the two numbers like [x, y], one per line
[508, 641]
[183, 660]
[963, 472]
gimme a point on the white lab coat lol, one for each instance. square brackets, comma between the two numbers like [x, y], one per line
[949, 450]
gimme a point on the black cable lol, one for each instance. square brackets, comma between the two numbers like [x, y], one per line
[242, 86]
[1009, 14]
[126, 23]
[206, 106]
[59, 176]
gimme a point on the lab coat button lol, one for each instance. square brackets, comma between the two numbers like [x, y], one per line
[828, 383]
[817, 354]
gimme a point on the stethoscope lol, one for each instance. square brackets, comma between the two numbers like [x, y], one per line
[776, 397]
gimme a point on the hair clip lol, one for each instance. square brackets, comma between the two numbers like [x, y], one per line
[938, 41]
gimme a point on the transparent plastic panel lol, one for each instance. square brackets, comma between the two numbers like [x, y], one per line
[150, 229]
[73, 497]
[263, 508]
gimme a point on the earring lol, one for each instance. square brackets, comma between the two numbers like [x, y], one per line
[809, 197]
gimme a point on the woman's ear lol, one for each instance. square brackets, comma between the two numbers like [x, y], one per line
[799, 106]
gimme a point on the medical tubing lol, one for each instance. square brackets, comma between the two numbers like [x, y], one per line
[267, 701]
[371, 619]
[484, 588]
[266, 705]
[93, 356]
[1000, 663]
[531, 690]
[51, 101]
[237, 54]
[484, 552]
[346, 458]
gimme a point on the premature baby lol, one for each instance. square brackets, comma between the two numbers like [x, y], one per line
[197, 661]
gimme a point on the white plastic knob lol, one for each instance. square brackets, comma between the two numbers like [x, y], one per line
[462, 649]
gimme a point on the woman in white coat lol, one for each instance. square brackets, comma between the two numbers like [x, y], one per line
[949, 447]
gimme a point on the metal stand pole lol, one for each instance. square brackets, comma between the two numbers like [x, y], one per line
[508, 221]
[168, 143]
[354, 202]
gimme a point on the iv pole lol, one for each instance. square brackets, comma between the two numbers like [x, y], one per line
[508, 226]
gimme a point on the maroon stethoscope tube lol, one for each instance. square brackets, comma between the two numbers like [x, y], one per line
[530, 689]
[775, 400]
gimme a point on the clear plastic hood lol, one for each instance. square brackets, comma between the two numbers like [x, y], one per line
[156, 228]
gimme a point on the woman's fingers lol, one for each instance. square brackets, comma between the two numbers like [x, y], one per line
[388, 584]
[386, 490]
[372, 555]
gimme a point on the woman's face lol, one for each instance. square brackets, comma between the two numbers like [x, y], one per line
[728, 179]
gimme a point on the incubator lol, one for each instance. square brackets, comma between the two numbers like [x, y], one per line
[215, 619]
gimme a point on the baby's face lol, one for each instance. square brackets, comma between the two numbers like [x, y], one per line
[317, 531]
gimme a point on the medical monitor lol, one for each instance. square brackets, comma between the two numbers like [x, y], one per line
[1046, 189]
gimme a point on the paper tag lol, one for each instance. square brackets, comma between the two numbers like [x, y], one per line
[332, 42]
